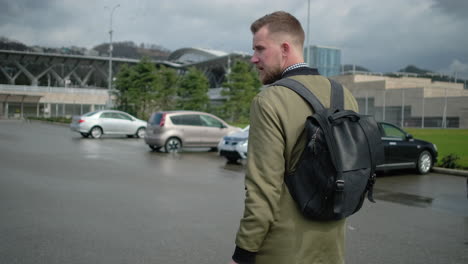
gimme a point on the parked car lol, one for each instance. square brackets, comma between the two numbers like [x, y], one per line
[401, 150]
[173, 130]
[234, 146]
[109, 122]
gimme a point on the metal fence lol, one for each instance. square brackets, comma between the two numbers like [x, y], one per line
[50, 89]
[16, 110]
[21, 106]
[416, 107]
[423, 107]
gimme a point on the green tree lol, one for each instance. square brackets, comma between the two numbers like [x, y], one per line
[142, 89]
[122, 85]
[193, 91]
[241, 86]
[166, 89]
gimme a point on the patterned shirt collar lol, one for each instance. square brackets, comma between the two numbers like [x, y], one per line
[294, 66]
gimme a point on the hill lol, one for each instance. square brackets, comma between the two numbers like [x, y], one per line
[434, 76]
[351, 67]
[414, 69]
[8, 44]
[128, 49]
[125, 49]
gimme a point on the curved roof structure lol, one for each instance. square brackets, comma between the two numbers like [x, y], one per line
[194, 55]
[92, 71]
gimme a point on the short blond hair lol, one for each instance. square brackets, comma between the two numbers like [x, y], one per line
[281, 22]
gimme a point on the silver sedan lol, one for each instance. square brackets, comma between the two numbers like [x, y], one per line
[109, 122]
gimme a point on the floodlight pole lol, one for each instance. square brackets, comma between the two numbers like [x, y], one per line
[308, 33]
[110, 58]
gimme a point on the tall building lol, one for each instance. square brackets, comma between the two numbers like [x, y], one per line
[326, 59]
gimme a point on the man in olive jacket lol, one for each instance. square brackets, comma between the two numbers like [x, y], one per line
[272, 229]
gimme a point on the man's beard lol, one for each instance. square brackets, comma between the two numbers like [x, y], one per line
[271, 76]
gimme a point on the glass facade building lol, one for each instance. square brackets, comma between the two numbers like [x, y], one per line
[326, 59]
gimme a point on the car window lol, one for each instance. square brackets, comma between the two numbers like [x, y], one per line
[90, 113]
[177, 120]
[210, 121]
[115, 116]
[393, 132]
[186, 120]
[106, 115]
[191, 120]
[155, 119]
[124, 116]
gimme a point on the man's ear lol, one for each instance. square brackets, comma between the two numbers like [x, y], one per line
[285, 48]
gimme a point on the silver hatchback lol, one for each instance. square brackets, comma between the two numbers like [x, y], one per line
[109, 122]
[173, 130]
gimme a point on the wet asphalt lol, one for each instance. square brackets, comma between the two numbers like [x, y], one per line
[66, 199]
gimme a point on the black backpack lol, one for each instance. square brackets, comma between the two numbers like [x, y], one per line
[337, 166]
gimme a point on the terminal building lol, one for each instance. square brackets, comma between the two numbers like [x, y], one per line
[327, 60]
[409, 101]
[42, 84]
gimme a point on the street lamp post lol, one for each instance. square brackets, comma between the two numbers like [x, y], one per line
[110, 57]
[308, 34]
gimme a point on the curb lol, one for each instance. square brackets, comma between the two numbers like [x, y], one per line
[462, 173]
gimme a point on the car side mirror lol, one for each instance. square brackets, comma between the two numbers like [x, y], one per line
[409, 136]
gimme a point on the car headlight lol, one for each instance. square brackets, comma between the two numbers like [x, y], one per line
[244, 143]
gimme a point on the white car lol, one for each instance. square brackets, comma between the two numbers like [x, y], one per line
[109, 122]
[234, 146]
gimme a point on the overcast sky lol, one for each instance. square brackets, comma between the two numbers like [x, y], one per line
[382, 35]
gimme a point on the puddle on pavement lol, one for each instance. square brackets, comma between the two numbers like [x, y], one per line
[403, 198]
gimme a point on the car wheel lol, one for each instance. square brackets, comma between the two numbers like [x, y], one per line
[85, 135]
[424, 162]
[96, 132]
[232, 160]
[173, 145]
[141, 132]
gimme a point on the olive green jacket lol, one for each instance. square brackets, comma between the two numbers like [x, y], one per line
[272, 225]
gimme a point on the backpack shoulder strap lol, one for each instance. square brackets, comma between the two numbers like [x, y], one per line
[337, 95]
[299, 88]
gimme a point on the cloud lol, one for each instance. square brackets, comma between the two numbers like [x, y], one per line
[378, 34]
[457, 8]
[388, 35]
[14, 9]
[458, 69]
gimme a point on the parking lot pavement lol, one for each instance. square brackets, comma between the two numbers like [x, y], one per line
[437, 191]
[65, 199]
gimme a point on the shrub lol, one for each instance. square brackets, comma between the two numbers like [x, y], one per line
[450, 161]
[58, 119]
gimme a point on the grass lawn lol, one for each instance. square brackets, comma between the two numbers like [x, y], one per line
[447, 140]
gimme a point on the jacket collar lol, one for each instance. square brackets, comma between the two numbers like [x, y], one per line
[301, 71]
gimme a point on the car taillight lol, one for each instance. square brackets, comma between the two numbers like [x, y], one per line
[81, 121]
[163, 120]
